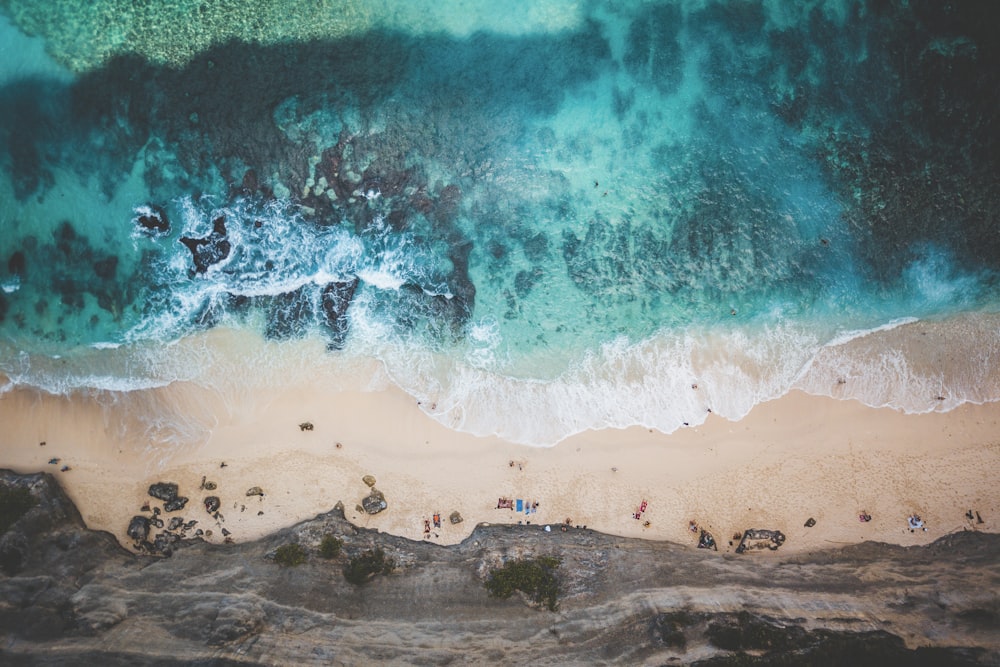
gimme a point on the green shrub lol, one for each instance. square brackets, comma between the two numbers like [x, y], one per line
[330, 546]
[362, 568]
[534, 577]
[15, 501]
[290, 554]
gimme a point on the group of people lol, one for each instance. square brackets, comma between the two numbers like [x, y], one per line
[427, 523]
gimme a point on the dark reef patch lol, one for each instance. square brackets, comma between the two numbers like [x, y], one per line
[890, 111]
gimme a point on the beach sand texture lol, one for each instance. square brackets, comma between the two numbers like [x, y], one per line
[790, 459]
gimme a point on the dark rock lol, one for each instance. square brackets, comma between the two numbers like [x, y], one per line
[17, 265]
[255, 491]
[667, 628]
[14, 552]
[211, 249]
[288, 313]
[335, 299]
[374, 502]
[151, 218]
[175, 523]
[157, 522]
[165, 491]
[138, 528]
[212, 504]
[164, 542]
[306, 426]
[810, 522]
[177, 503]
[250, 183]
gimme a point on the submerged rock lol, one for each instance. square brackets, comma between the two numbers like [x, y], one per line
[255, 491]
[335, 299]
[17, 264]
[288, 313]
[369, 480]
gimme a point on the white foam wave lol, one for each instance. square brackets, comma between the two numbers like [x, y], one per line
[666, 382]
[675, 380]
[848, 336]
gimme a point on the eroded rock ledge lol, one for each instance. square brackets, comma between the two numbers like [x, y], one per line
[72, 595]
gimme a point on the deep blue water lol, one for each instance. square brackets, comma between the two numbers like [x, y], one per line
[577, 216]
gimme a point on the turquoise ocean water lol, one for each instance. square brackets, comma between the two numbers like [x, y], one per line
[541, 217]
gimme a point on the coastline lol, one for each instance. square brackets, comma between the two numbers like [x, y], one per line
[791, 459]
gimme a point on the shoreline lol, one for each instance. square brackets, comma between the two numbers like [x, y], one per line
[791, 459]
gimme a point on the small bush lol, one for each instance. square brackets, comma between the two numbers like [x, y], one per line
[330, 546]
[534, 577]
[15, 501]
[288, 555]
[362, 568]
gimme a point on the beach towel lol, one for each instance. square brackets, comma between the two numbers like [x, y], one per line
[520, 505]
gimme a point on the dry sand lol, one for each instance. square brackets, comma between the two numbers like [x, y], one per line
[793, 458]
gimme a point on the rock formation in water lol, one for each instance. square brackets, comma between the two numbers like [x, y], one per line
[69, 595]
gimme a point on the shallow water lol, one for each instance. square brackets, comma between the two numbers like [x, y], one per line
[578, 211]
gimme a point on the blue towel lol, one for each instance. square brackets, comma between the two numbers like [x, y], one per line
[519, 504]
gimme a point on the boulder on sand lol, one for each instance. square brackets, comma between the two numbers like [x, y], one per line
[165, 491]
[374, 502]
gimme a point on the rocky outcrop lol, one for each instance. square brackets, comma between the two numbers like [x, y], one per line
[151, 218]
[335, 299]
[211, 249]
[79, 598]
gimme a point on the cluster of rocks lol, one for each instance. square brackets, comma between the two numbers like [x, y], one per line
[174, 529]
[374, 502]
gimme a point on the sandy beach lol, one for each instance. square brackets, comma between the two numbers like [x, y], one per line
[791, 459]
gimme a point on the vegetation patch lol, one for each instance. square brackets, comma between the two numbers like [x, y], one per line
[288, 555]
[15, 501]
[364, 567]
[534, 577]
[330, 546]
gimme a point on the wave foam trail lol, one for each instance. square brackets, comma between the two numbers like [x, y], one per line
[664, 383]
[675, 380]
[915, 366]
